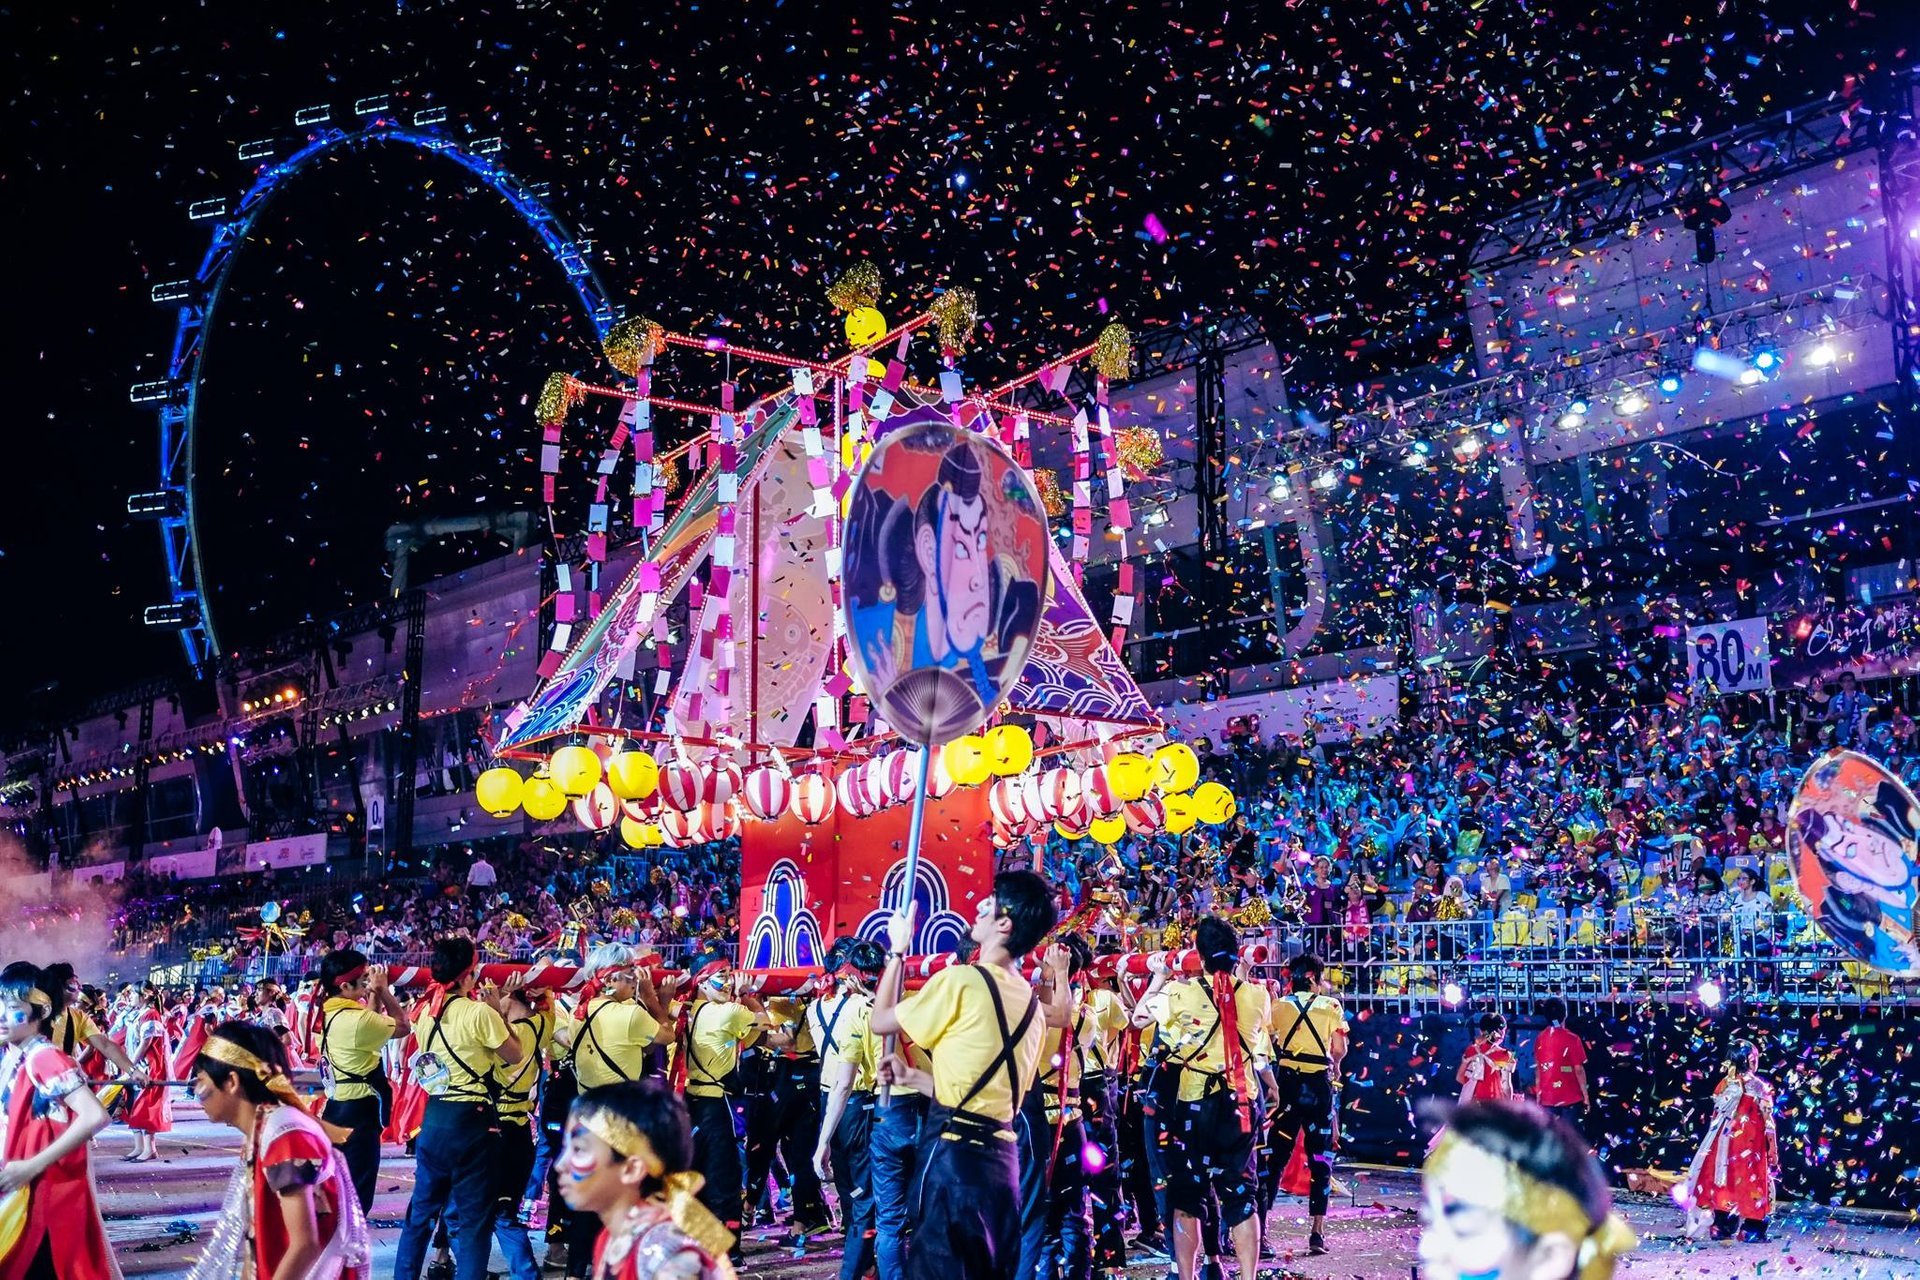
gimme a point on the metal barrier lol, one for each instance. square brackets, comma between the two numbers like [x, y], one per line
[1707, 957]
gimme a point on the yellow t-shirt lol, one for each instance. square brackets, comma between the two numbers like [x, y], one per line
[952, 1019]
[715, 1030]
[352, 1037]
[465, 1038]
[855, 1043]
[610, 1042]
[1303, 1031]
[1104, 1021]
[518, 1080]
[1095, 1022]
[1192, 1029]
[831, 1021]
[71, 1031]
[791, 1015]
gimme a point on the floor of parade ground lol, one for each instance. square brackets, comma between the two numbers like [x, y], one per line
[154, 1210]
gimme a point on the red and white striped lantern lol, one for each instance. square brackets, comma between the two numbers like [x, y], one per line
[1004, 802]
[1145, 815]
[767, 792]
[1060, 793]
[1096, 788]
[939, 781]
[850, 792]
[641, 810]
[812, 798]
[722, 821]
[597, 809]
[682, 786]
[681, 828]
[723, 781]
[899, 773]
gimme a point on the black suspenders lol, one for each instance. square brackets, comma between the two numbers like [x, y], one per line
[1008, 1043]
[1300, 1019]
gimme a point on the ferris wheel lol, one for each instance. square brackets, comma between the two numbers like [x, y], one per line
[171, 504]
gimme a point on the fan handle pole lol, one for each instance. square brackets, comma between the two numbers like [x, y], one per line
[889, 1042]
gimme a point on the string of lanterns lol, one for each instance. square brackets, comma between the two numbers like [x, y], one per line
[683, 803]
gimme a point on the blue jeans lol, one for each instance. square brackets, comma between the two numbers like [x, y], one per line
[453, 1175]
[514, 1160]
[896, 1131]
[1036, 1176]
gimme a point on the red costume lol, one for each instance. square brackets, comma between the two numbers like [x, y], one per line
[203, 1021]
[649, 1245]
[62, 1213]
[1489, 1072]
[1733, 1170]
[152, 1109]
[409, 1101]
[287, 1151]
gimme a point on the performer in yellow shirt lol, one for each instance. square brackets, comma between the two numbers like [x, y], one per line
[351, 1039]
[1217, 1028]
[714, 1024]
[983, 1024]
[530, 1021]
[849, 1060]
[1309, 1040]
[1053, 1175]
[1103, 1028]
[462, 1038]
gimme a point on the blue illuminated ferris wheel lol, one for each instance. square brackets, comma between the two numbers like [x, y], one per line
[172, 504]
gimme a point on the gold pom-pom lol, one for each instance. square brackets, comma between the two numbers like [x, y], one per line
[1113, 351]
[858, 286]
[559, 395]
[954, 314]
[669, 473]
[1139, 450]
[1047, 482]
[632, 343]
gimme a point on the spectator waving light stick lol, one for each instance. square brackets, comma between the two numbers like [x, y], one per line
[945, 579]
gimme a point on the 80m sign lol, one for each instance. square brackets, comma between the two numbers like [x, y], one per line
[1731, 657]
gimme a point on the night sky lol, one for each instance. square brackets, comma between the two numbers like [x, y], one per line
[381, 338]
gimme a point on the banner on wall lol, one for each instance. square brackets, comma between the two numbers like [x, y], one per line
[1730, 657]
[294, 851]
[803, 886]
[1871, 641]
[1338, 711]
[100, 873]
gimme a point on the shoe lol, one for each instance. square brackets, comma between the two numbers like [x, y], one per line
[1151, 1246]
[441, 1269]
[1753, 1235]
[1721, 1233]
[556, 1258]
[1316, 1243]
[737, 1258]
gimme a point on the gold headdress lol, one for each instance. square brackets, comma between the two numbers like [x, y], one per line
[243, 1059]
[678, 1190]
[1536, 1206]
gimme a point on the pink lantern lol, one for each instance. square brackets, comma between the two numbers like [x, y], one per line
[1096, 787]
[682, 786]
[1003, 801]
[597, 809]
[1145, 815]
[812, 798]
[767, 792]
[723, 781]
[1060, 793]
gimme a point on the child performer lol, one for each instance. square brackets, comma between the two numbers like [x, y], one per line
[1486, 1070]
[290, 1212]
[1733, 1172]
[47, 1117]
[147, 1045]
[627, 1161]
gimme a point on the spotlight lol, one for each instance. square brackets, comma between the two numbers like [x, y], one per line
[1748, 377]
[1279, 490]
[1823, 355]
[1670, 384]
[1468, 448]
[1326, 479]
[1453, 995]
[1710, 994]
[1579, 406]
[1571, 421]
[1629, 404]
[1766, 360]
[1416, 458]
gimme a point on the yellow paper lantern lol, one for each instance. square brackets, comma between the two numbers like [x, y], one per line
[865, 327]
[639, 835]
[1069, 832]
[575, 769]
[1180, 814]
[1212, 803]
[1009, 750]
[966, 758]
[1175, 768]
[542, 798]
[498, 791]
[633, 775]
[1130, 775]
[1107, 830]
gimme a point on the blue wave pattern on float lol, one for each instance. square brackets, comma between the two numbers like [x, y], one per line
[937, 928]
[786, 933]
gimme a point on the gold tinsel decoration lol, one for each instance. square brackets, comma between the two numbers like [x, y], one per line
[632, 343]
[1139, 450]
[559, 395]
[669, 474]
[954, 315]
[858, 286]
[1113, 351]
[1046, 481]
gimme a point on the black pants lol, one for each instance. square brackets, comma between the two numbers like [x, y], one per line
[1306, 1106]
[1214, 1155]
[1141, 1170]
[1035, 1146]
[853, 1181]
[361, 1150]
[966, 1207]
[784, 1118]
[1068, 1251]
[1106, 1206]
[716, 1157]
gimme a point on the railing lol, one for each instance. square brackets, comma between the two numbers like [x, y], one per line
[1706, 957]
[287, 969]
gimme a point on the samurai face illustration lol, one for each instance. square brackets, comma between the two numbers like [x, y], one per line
[952, 551]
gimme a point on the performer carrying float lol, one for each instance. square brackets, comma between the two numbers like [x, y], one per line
[348, 1038]
[47, 1117]
[291, 1211]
